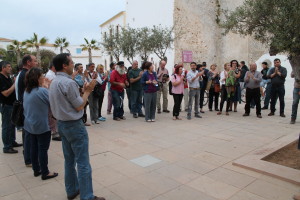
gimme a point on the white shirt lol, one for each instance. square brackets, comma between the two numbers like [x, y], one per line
[190, 75]
[50, 75]
[222, 78]
[98, 79]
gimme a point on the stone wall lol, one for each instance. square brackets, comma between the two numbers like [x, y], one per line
[196, 30]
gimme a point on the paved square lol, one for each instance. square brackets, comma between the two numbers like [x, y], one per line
[145, 161]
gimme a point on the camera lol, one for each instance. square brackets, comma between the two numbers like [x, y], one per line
[165, 78]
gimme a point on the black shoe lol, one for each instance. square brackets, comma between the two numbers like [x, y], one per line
[293, 121]
[11, 150]
[271, 114]
[202, 111]
[141, 115]
[135, 116]
[73, 196]
[158, 111]
[166, 111]
[49, 176]
[246, 115]
[15, 144]
[36, 174]
[198, 116]
[98, 198]
[117, 119]
[264, 108]
[58, 138]
[259, 116]
[282, 115]
[124, 118]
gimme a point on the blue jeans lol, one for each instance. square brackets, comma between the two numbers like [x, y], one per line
[296, 97]
[8, 129]
[117, 100]
[136, 101]
[277, 91]
[75, 144]
[39, 152]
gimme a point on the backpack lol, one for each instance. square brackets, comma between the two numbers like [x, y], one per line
[170, 86]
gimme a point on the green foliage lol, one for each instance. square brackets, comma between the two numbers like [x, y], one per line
[35, 42]
[46, 58]
[129, 43]
[18, 48]
[62, 43]
[113, 44]
[89, 46]
[275, 22]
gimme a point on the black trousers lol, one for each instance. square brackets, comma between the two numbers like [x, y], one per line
[224, 97]
[277, 92]
[177, 103]
[253, 94]
[202, 90]
[213, 96]
[100, 102]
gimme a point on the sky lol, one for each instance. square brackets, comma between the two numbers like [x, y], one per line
[73, 19]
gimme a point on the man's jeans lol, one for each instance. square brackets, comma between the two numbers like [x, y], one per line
[164, 91]
[193, 95]
[296, 97]
[8, 129]
[277, 91]
[75, 144]
[136, 101]
[117, 100]
[93, 105]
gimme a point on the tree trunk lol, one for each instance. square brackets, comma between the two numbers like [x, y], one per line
[295, 63]
[38, 56]
[90, 56]
[18, 57]
[61, 49]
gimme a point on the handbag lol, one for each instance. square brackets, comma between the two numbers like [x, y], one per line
[217, 87]
[97, 92]
[17, 116]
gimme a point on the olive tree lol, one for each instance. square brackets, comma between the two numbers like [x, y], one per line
[273, 22]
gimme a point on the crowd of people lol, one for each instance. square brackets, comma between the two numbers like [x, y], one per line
[55, 104]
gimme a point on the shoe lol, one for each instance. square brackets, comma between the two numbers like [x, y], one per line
[15, 144]
[96, 122]
[246, 115]
[108, 112]
[282, 115]
[58, 138]
[98, 198]
[189, 117]
[293, 121]
[117, 119]
[36, 174]
[271, 114]
[124, 118]
[135, 116]
[217, 109]
[102, 119]
[87, 124]
[259, 116]
[174, 118]
[178, 118]
[166, 111]
[198, 116]
[158, 111]
[227, 113]
[28, 165]
[11, 150]
[235, 111]
[219, 113]
[264, 108]
[73, 196]
[229, 110]
[152, 120]
[49, 176]
[202, 111]
[148, 120]
[141, 115]
[210, 110]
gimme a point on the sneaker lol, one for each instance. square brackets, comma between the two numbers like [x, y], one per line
[282, 115]
[271, 114]
[135, 116]
[166, 111]
[152, 120]
[189, 117]
[198, 116]
[246, 115]
[141, 115]
[11, 150]
[148, 120]
[259, 116]
[293, 121]
[103, 119]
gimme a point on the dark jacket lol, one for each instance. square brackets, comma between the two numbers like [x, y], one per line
[278, 80]
[145, 78]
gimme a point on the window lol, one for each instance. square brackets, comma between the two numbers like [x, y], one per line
[78, 50]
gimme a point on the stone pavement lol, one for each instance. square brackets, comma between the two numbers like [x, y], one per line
[164, 160]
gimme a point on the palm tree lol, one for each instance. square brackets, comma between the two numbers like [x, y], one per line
[61, 43]
[35, 42]
[89, 46]
[18, 48]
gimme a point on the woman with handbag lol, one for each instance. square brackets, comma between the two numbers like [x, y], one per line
[36, 108]
[224, 78]
[103, 77]
[214, 90]
[177, 89]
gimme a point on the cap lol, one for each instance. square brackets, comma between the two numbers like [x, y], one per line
[120, 63]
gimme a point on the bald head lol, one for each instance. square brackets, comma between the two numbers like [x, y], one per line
[253, 67]
[163, 64]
